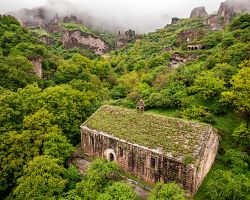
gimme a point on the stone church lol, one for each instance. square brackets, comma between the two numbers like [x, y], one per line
[154, 148]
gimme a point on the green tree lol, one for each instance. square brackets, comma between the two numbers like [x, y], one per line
[71, 107]
[97, 179]
[240, 22]
[58, 146]
[242, 134]
[118, 191]
[17, 72]
[15, 151]
[239, 93]
[225, 184]
[207, 86]
[73, 176]
[42, 179]
[237, 161]
[169, 191]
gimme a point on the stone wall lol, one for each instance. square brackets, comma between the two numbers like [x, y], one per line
[149, 164]
[207, 158]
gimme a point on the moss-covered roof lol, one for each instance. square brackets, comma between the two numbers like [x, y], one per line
[173, 136]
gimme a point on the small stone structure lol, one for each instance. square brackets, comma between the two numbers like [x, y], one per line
[152, 147]
[194, 47]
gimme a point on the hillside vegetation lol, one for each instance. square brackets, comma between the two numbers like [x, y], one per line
[40, 118]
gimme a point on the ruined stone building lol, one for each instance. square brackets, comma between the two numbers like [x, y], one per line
[154, 148]
[194, 47]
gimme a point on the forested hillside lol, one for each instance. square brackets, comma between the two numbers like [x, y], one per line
[40, 117]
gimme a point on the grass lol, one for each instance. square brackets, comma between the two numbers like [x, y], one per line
[178, 137]
[225, 124]
[77, 27]
[40, 32]
[168, 113]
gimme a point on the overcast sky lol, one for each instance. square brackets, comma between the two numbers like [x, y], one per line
[142, 15]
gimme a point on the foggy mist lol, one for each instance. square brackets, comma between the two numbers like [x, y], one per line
[140, 15]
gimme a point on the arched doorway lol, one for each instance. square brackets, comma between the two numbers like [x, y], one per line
[111, 157]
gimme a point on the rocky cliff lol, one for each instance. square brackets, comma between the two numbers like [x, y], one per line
[226, 12]
[124, 39]
[198, 12]
[72, 30]
[38, 67]
[72, 39]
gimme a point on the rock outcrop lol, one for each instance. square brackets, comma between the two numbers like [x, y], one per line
[191, 35]
[31, 17]
[178, 58]
[72, 19]
[71, 39]
[124, 39]
[199, 12]
[226, 12]
[174, 20]
[38, 67]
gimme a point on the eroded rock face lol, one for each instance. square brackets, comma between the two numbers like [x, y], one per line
[187, 36]
[31, 17]
[178, 59]
[226, 12]
[174, 20]
[38, 67]
[72, 19]
[198, 12]
[73, 39]
[53, 28]
[214, 22]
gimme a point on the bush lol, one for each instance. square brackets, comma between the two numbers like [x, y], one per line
[167, 191]
[242, 134]
[197, 113]
[225, 185]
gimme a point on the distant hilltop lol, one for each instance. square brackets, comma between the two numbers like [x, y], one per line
[225, 13]
[43, 15]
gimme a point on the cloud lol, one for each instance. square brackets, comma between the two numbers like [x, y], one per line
[140, 15]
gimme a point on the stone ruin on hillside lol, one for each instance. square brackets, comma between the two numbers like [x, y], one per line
[194, 47]
[124, 39]
[151, 147]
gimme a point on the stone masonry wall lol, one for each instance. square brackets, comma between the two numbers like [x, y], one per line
[136, 159]
[207, 158]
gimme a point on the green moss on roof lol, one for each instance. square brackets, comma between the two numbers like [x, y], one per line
[172, 135]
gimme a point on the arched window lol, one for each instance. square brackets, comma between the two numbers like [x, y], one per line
[121, 152]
